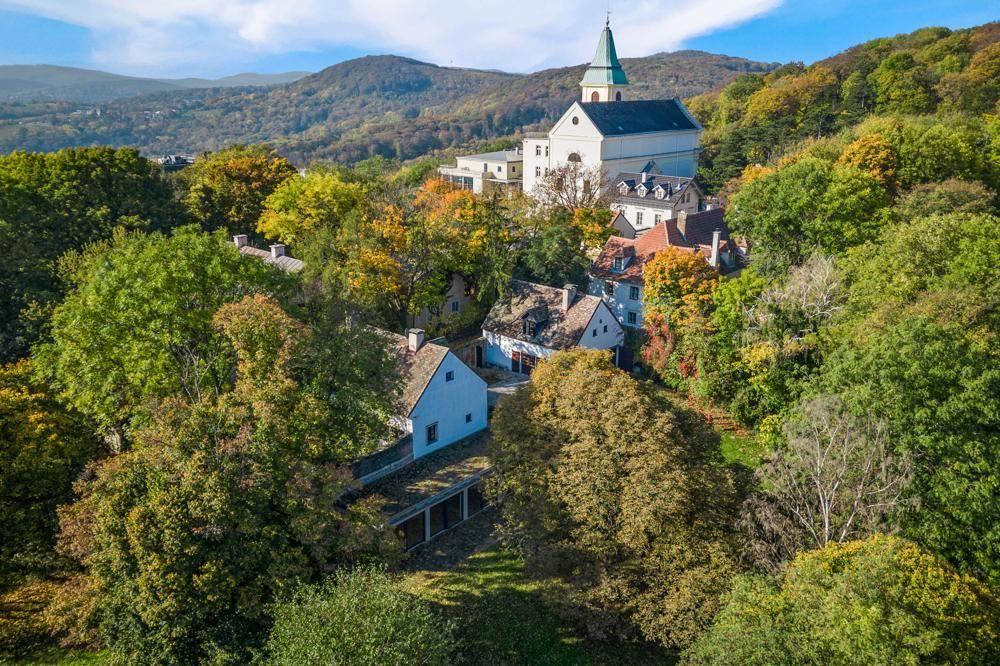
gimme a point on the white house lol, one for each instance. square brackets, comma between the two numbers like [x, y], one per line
[616, 275]
[647, 198]
[442, 400]
[608, 131]
[535, 321]
[486, 171]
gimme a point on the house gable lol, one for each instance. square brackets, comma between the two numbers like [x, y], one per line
[602, 317]
[585, 128]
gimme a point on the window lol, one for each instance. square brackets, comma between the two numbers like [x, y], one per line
[623, 189]
[412, 531]
[619, 264]
[523, 363]
[605, 328]
[486, 167]
[656, 219]
[574, 157]
[632, 318]
[446, 514]
[474, 501]
[499, 168]
[593, 333]
[609, 288]
[633, 293]
[432, 433]
[513, 168]
[618, 96]
[468, 418]
[538, 151]
[538, 171]
[638, 217]
[595, 97]
[528, 327]
[454, 306]
[449, 376]
[546, 151]
[576, 121]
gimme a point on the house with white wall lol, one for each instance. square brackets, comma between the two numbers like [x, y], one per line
[442, 400]
[647, 198]
[534, 321]
[616, 276]
[485, 172]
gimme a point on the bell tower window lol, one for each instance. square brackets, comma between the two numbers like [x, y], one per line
[618, 96]
[595, 96]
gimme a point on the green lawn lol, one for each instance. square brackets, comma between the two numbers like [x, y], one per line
[501, 617]
[742, 449]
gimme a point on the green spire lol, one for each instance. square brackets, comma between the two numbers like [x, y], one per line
[605, 68]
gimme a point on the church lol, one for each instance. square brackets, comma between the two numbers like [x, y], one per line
[606, 129]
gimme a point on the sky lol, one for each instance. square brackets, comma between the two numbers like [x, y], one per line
[220, 37]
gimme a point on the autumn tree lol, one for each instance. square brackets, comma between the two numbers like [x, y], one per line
[300, 205]
[57, 202]
[573, 185]
[225, 501]
[584, 498]
[43, 447]
[883, 600]
[227, 189]
[137, 323]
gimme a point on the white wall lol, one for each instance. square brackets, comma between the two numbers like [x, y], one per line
[446, 403]
[619, 302]
[500, 349]
[533, 161]
[596, 337]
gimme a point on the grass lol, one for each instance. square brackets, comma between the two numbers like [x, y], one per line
[502, 617]
[743, 449]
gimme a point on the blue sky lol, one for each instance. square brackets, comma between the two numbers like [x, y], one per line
[219, 37]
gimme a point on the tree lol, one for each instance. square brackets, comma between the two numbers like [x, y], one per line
[946, 197]
[53, 203]
[572, 186]
[360, 618]
[879, 601]
[137, 324]
[595, 226]
[43, 447]
[556, 256]
[227, 189]
[225, 501]
[902, 85]
[835, 479]
[299, 205]
[630, 506]
[875, 156]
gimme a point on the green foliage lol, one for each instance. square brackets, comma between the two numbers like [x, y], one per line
[225, 502]
[43, 447]
[948, 196]
[137, 323]
[299, 205]
[901, 85]
[227, 189]
[50, 204]
[358, 618]
[583, 498]
[556, 255]
[880, 601]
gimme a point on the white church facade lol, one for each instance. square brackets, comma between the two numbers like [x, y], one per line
[608, 131]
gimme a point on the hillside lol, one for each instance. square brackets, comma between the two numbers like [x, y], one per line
[385, 105]
[34, 83]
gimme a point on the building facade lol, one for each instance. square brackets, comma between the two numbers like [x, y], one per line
[485, 172]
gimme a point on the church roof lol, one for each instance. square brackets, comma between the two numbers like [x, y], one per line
[605, 67]
[639, 116]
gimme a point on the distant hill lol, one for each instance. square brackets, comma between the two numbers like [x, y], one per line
[32, 83]
[376, 105]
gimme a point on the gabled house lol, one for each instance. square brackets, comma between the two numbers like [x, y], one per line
[616, 274]
[534, 321]
[442, 399]
[646, 198]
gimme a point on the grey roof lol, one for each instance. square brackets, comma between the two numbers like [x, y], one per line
[416, 368]
[674, 187]
[496, 156]
[285, 263]
[558, 329]
[638, 116]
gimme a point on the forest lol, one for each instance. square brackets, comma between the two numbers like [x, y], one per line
[804, 469]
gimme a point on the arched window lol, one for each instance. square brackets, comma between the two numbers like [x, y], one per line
[618, 96]
[574, 157]
[595, 96]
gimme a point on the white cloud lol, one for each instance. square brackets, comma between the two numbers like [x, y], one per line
[513, 35]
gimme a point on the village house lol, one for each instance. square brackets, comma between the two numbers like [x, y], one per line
[616, 274]
[644, 199]
[486, 171]
[534, 321]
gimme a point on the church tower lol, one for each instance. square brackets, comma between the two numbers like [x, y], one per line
[604, 80]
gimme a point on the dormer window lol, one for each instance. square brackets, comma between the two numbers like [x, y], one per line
[623, 189]
[618, 265]
[660, 192]
[528, 327]
[641, 190]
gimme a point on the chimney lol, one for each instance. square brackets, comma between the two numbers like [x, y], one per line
[713, 261]
[569, 295]
[682, 222]
[240, 240]
[277, 250]
[415, 339]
